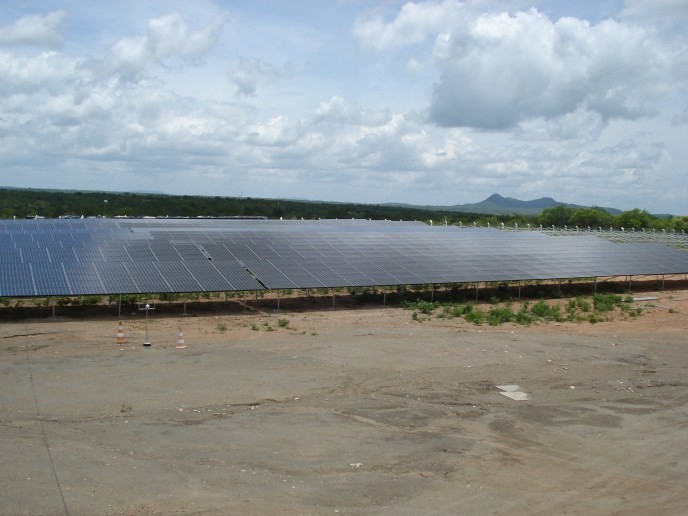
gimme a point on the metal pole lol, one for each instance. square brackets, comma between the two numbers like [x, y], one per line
[147, 342]
[147, 308]
[519, 290]
[278, 299]
[119, 308]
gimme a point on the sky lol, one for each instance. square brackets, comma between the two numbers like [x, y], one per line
[437, 102]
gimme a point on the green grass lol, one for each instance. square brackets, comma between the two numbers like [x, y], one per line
[598, 308]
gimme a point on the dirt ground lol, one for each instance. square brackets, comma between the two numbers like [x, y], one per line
[356, 410]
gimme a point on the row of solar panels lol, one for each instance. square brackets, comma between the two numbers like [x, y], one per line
[112, 257]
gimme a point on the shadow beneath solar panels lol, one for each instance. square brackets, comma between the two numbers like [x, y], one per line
[273, 302]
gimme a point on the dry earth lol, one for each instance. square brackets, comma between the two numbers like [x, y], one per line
[350, 411]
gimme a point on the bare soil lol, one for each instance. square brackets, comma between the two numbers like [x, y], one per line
[352, 410]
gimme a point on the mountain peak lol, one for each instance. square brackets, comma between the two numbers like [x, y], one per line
[510, 202]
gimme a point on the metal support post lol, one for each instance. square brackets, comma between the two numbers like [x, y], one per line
[147, 308]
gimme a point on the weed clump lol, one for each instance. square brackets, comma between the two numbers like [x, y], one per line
[546, 312]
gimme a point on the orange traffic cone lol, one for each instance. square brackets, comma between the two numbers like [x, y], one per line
[120, 334]
[180, 340]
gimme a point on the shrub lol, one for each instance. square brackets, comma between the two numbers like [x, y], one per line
[88, 300]
[522, 316]
[595, 318]
[496, 316]
[424, 307]
[475, 315]
[605, 302]
[545, 311]
[283, 323]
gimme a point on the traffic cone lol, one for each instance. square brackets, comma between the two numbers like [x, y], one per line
[180, 340]
[120, 334]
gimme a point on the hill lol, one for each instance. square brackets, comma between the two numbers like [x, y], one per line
[495, 204]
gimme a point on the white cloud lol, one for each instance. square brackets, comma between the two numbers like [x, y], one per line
[250, 74]
[581, 125]
[169, 42]
[512, 68]
[169, 37]
[338, 110]
[50, 71]
[414, 23]
[36, 29]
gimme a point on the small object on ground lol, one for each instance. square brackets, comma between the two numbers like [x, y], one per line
[180, 340]
[508, 388]
[512, 392]
[120, 334]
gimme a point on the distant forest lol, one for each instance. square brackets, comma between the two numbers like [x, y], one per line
[21, 203]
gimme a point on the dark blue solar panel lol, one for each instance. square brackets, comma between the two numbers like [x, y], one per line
[147, 277]
[16, 280]
[63, 257]
[50, 279]
[84, 279]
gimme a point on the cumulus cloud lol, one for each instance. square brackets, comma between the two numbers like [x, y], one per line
[36, 30]
[414, 23]
[51, 71]
[512, 68]
[498, 70]
[339, 110]
[169, 41]
[250, 74]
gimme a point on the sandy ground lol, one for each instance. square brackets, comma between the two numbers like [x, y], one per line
[350, 411]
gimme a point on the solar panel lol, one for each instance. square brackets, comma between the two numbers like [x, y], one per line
[84, 256]
[83, 279]
[49, 279]
[147, 277]
[116, 278]
[237, 276]
[16, 280]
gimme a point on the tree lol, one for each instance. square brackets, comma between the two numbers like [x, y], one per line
[556, 216]
[591, 217]
[634, 218]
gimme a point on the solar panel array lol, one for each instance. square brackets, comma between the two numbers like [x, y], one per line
[112, 256]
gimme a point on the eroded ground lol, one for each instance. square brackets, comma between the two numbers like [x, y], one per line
[350, 411]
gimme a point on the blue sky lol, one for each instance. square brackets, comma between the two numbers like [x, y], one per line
[427, 102]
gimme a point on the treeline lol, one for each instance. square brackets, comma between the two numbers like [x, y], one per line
[21, 203]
